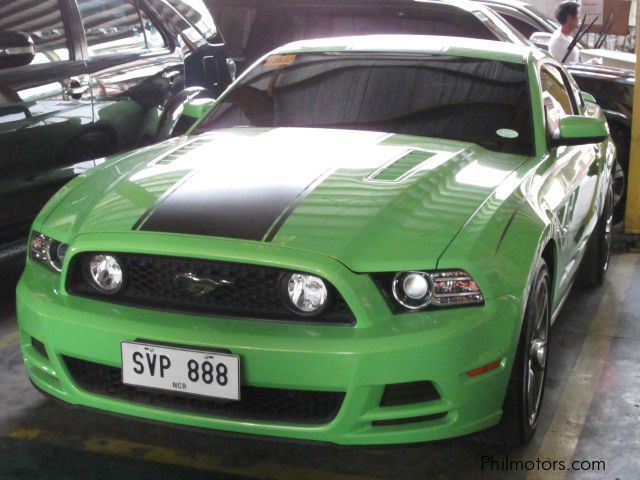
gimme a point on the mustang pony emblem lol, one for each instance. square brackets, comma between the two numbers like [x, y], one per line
[198, 286]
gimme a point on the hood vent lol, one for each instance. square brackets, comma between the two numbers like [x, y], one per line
[179, 152]
[401, 168]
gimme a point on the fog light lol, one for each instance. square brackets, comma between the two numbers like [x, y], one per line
[307, 294]
[105, 273]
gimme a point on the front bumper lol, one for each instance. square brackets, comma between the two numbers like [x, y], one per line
[358, 361]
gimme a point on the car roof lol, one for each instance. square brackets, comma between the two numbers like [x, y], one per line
[428, 44]
[508, 3]
[526, 7]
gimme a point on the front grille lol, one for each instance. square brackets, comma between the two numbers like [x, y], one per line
[254, 291]
[257, 403]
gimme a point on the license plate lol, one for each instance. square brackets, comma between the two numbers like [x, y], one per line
[195, 372]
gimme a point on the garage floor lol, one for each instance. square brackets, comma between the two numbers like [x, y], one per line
[592, 413]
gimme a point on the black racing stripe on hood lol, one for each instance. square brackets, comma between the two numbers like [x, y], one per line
[232, 205]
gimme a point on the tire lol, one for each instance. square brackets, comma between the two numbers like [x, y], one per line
[622, 139]
[595, 263]
[525, 392]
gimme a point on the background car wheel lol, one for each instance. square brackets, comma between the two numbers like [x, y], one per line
[521, 409]
[596, 259]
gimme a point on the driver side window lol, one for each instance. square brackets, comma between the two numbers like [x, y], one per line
[39, 23]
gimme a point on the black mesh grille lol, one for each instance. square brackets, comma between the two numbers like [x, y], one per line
[253, 291]
[266, 404]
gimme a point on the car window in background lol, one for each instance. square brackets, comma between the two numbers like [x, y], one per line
[117, 26]
[197, 13]
[481, 101]
[491, 20]
[192, 37]
[152, 34]
[525, 28]
[43, 22]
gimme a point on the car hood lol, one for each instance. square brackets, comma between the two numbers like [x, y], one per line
[603, 72]
[369, 199]
[611, 58]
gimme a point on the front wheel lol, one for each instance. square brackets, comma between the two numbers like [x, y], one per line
[523, 401]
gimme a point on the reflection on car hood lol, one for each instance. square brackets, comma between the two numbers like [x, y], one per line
[361, 197]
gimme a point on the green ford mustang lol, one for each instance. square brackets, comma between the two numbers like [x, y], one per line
[363, 241]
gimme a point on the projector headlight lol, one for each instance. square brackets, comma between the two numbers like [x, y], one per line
[104, 273]
[412, 290]
[47, 251]
[305, 294]
[418, 290]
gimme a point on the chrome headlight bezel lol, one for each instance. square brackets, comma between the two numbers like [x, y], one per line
[47, 251]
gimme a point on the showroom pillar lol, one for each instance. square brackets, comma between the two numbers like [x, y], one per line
[632, 219]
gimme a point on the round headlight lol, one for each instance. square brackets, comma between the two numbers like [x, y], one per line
[307, 293]
[412, 290]
[105, 273]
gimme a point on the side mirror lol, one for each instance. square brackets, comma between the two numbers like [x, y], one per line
[540, 39]
[588, 98]
[197, 108]
[192, 111]
[16, 49]
[578, 130]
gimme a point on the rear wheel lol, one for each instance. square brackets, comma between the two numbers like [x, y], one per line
[523, 401]
[596, 259]
[622, 139]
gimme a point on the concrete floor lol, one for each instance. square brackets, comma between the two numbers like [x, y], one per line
[591, 412]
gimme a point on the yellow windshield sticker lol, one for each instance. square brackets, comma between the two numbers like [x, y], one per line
[279, 60]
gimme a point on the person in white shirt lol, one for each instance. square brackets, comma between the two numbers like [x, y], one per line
[567, 14]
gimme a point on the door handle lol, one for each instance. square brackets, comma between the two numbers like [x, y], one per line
[75, 90]
[171, 75]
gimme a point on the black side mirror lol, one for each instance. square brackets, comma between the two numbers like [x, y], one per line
[16, 49]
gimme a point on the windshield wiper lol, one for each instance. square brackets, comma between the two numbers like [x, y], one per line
[579, 34]
[606, 28]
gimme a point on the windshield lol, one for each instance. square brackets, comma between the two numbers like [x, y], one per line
[473, 100]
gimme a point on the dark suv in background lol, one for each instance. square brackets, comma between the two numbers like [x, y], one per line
[81, 79]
